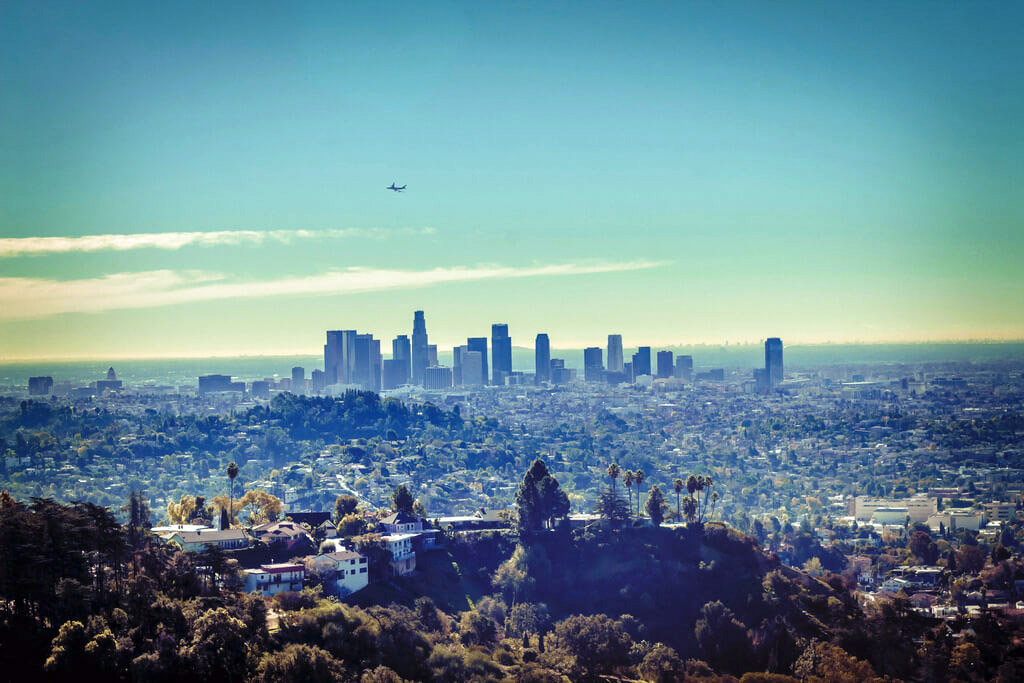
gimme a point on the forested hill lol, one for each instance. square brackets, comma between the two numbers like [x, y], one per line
[355, 413]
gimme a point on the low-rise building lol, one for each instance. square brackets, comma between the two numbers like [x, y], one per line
[228, 539]
[351, 569]
[1000, 512]
[270, 579]
[403, 557]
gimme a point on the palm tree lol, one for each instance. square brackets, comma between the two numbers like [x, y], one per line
[678, 487]
[638, 477]
[613, 471]
[232, 473]
[627, 480]
[692, 487]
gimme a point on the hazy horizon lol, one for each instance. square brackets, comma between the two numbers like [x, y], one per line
[203, 180]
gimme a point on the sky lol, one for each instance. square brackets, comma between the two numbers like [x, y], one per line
[189, 179]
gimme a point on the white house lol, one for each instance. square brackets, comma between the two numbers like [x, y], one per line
[352, 569]
[403, 557]
[271, 579]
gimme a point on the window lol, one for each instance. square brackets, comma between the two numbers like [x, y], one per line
[362, 570]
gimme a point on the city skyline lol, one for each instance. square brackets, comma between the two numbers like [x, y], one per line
[693, 173]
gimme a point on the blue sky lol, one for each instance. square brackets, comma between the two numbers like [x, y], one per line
[675, 172]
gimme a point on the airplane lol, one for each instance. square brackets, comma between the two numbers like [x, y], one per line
[395, 189]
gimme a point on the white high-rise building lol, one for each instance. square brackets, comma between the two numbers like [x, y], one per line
[615, 353]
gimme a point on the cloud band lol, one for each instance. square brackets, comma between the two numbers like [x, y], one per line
[23, 298]
[34, 246]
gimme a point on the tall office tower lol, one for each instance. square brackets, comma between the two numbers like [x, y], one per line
[401, 352]
[542, 352]
[332, 356]
[642, 362]
[501, 350]
[419, 347]
[431, 355]
[376, 360]
[479, 344]
[392, 374]
[318, 381]
[437, 377]
[593, 364]
[339, 356]
[457, 361]
[614, 353]
[473, 363]
[773, 360]
[684, 367]
[298, 380]
[666, 368]
[39, 386]
[363, 369]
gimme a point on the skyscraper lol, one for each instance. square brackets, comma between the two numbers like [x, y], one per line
[684, 367]
[473, 364]
[376, 362]
[542, 352]
[773, 360]
[478, 344]
[401, 353]
[501, 348]
[339, 356]
[332, 356]
[593, 364]
[419, 347]
[457, 361]
[362, 370]
[642, 361]
[614, 353]
[298, 380]
[666, 368]
[392, 374]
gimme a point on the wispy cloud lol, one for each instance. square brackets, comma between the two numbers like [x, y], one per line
[22, 298]
[27, 246]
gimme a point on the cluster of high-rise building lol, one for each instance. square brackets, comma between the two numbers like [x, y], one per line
[354, 359]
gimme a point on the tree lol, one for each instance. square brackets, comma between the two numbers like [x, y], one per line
[232, 473]
[539, 500]
[612, 509]
[614, 471]
[298, 663]
[723, 638]
[401, 500]
[344, 505]
[627, 481]
[655, 505]
[678, 485]
[689, 508]
[182, 511]
[595, 645]
[525, 618]
[965, 662]
[923, 548]
[822, 661]
[638, 477]
[970, 559]
[261, 506]
[218, 648]
[477, 629]
[662, 665]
